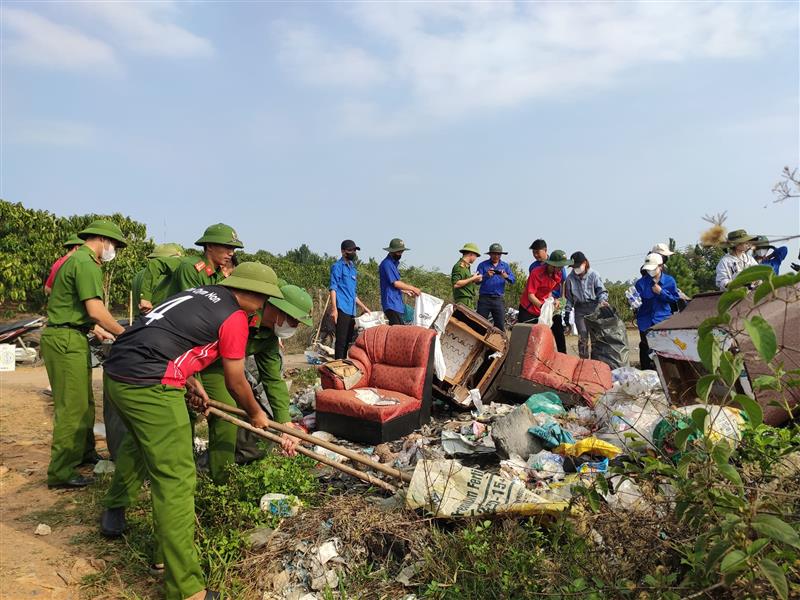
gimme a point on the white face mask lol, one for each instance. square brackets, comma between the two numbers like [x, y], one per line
[108, 253]
[284, 330]
[761, 252]
[579, 270]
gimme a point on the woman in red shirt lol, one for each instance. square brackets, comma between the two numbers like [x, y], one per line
[542, 280]
[71, 245]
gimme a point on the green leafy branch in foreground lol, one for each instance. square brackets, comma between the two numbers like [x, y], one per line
[746, 525]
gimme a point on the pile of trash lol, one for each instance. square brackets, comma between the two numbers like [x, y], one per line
[312, 551]
[525, 459]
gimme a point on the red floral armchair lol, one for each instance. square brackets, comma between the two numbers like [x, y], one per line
[397, 364]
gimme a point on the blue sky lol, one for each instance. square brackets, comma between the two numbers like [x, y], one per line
[600, 127]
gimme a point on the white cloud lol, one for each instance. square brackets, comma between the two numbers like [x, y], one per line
[53, 133]
[147, 28]
[451, 59]
[313, 60]
[37, 41]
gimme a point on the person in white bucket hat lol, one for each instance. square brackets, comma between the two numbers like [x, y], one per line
[658, 291]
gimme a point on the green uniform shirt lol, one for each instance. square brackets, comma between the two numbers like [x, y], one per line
[263, 345]
[193, 272]
[136, 290]
[464, 295]
[156, 281]
[79, 279]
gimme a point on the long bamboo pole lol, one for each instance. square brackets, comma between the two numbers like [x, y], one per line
[354, 456]
[372, 480]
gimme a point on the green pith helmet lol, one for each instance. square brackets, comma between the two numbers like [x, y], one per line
[470, 247]
[740, 236]
[73, 240]
[221, 234]
[105, 228]
[296, 303]
[558, 258]
[396, 245]
[762, 241]
[496, 248]
[166, 251]
[254, 277]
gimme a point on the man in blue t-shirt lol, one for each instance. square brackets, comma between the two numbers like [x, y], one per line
[392, 288]
[344, 299]
[496, 274]
[539, 249]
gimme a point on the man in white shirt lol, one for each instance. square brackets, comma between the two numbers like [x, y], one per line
[738, 258]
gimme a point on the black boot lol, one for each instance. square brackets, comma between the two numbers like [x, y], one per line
[112, 522]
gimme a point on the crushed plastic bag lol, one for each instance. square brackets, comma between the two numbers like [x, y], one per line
[609, 337]
[456, 444]
[545, 402]
[371, 319]
[546, 465]
[547, 311]
[590, 445]
[447, 489]
[635, 382]
[624, 494]
[439, 325]
[280, 505]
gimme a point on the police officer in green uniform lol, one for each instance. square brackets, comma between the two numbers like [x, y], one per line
[219, 244]
[279, 321]
[75, 306]
[148, 373]
[151, 285]
[464, 289]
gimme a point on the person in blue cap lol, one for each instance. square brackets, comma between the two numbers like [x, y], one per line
[496, 273]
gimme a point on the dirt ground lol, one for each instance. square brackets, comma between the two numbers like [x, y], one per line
[33, 566]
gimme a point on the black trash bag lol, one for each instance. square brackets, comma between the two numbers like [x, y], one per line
[609, 337]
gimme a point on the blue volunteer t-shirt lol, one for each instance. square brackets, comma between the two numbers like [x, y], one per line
[344, 278]
[391, 297]
[494, 285]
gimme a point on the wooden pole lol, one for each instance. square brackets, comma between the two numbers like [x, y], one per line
[372, 480]
[324, 310]
[354, 456]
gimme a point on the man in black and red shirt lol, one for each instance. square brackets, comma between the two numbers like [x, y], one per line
[149, 371]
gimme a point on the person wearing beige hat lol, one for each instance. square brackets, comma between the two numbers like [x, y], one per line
[737, 259]
[463, 280]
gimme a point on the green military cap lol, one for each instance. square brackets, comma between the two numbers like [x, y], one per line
[396, 245]
[105, 228]
[222, 234]
[740, 236]
[296, 303]
[166, 251]
[282, 282]
[496, 248]
[558, 258]
[73, 240]
[470, 247]
[254, 277]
